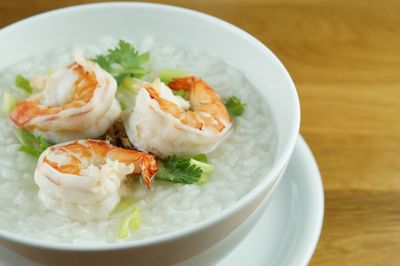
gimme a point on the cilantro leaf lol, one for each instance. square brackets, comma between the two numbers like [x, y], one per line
[124, 61]
[205, 167]
[179, 170]
[23, 84]
[31, 144]
[186, 170]
[234, 106]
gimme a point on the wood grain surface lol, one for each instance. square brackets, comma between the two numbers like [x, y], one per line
[344, 57]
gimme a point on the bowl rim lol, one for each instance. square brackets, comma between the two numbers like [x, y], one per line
[277, 167]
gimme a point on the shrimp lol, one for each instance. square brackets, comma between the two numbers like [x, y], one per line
[85, 179]
[72, 103]
[165, 124]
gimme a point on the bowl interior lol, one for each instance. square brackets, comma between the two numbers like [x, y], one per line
[176, 26]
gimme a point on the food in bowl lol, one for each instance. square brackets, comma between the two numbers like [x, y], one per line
[187, 142]
[72, 103]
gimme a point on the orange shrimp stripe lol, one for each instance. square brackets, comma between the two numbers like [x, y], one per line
[144, 163]
[84, 89]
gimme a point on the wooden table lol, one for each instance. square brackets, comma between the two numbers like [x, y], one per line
[344, 57]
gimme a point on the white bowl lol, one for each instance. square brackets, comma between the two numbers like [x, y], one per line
[203, 243]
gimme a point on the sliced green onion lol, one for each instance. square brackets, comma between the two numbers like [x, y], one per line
[122, 104]
[123, 205]
[203, 179]
[202, 157]
[128, 84]
[9, 101]
[23, 84]
[181, 93]
[135, 218]
[205, 167]
[168, 75]
[129, 221]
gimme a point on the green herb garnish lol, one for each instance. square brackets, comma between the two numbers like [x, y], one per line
[129, 221]
[128, 85]
[127, 91]
[234, 106]
[9, 101]
[185, 170]
[23, 84]
[205, 167]
[31, 144]
[122, 103]
[124, 61]
[123, 205]
[182, 93]
[201, 157]
[168, 75]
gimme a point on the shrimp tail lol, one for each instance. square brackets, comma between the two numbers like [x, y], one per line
[148, 166]
[145, 164]
[185, 83]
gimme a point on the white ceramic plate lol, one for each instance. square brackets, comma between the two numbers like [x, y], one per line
[288, 231]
